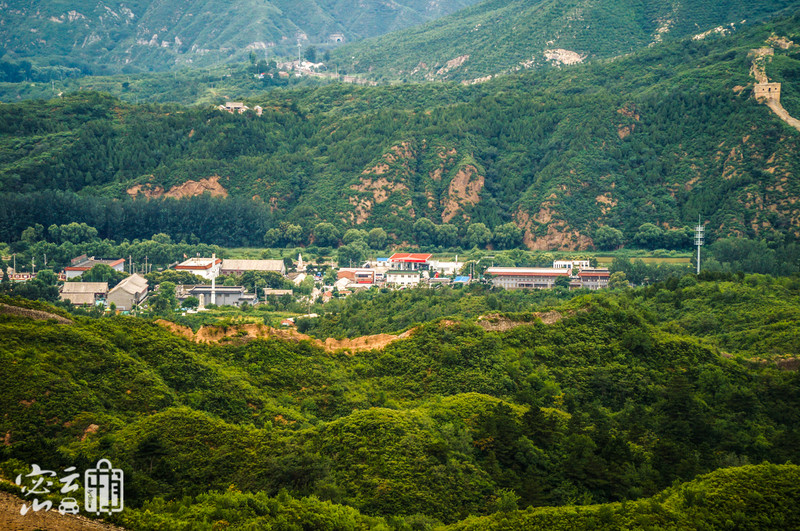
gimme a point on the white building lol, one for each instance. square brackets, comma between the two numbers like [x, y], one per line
[207, 268]
[400, 279]
[571, 264]
[447, 269]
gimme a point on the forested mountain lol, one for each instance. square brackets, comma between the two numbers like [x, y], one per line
[658, 137]
[608, 404]
[77, 36]
[499, 36]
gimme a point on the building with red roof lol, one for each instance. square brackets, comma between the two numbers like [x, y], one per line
[82, 264]
[202, 267]
[410, 261]
[526, 277]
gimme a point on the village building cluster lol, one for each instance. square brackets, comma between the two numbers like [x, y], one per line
[398, 271]
[403, 270]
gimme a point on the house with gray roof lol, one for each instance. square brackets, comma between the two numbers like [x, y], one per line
[83, 293]
[131, 292]
[238, 267]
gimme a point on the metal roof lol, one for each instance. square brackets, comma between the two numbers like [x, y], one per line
[132, 284]
[198, 263]
[87, 264]
[529, 271]
[416, 258]
[594, 273]
[253, 265]
[85, 287]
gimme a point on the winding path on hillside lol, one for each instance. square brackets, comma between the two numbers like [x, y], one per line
[783, 114]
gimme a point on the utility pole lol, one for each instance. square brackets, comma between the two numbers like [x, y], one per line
[699, 237]
[213, 279]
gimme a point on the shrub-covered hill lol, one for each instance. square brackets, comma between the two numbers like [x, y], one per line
[498, 36]
[757, 497]
[455, 421]
[63, 37]
[750, 497]
[660, 136]
[753, 316]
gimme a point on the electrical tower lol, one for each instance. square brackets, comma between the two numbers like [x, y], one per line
[699, 237]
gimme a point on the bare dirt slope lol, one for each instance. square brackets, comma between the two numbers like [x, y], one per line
[37, 315]
[495, 322]
[247, 331]
[12, 520]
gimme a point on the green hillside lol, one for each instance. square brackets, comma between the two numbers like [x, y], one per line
[657, 137]
[499, 36]
[751, 497]
[67, 37]
[753, 319]
[462, 419]
[757, 497]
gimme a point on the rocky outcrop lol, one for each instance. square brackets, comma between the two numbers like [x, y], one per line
[558, 237]
[209, 185]
[464, 190]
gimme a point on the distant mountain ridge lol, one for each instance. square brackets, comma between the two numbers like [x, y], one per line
[498, 36]
[656, 137]
[140, 35]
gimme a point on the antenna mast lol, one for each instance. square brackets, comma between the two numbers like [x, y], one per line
[699, 237]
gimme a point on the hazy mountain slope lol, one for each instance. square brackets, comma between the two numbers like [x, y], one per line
[501, 35]
[107, 36]
[659, 136]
